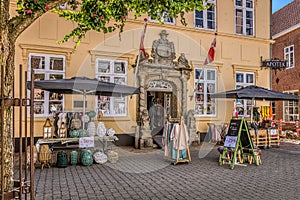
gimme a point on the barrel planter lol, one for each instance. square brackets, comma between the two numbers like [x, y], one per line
[62, 159]
[86, 157]
[73, 157]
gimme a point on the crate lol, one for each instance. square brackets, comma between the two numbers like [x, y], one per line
[262, 139]
[253, 137]
[273, 138]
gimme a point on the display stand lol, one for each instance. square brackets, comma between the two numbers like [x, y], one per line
[173, 141]
[238, 144]
[262, 139]
[183, 133]
[273, 138]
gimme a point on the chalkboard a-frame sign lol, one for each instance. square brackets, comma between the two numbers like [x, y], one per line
[238, 137]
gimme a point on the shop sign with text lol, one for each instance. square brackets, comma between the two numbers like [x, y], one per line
[275, 64]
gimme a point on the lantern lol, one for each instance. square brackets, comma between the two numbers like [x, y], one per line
[62, 130]
[47, 129]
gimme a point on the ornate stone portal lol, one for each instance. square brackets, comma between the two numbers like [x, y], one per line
[163, 88]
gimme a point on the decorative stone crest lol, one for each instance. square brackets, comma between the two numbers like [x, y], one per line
[163, 54]
[163, 51]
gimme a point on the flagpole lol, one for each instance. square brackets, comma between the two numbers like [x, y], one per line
[140, 50]
[136, 67]
[208, 59]
[200, 76]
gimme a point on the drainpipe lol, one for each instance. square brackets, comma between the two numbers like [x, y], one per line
[271, 25]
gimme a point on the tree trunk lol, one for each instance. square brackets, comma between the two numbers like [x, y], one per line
[7, 50]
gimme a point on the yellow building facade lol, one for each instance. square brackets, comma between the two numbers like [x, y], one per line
[243, 37]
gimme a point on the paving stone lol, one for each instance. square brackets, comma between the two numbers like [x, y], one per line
[147, 175]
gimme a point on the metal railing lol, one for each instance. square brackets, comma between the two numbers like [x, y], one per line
[23, 182]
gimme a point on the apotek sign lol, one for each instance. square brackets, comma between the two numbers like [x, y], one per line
[275, 64]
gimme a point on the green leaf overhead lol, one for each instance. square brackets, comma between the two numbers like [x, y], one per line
[107, 15]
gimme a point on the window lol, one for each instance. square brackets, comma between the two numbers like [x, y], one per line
[273, 105]
[204, 87]
[114, 71]
[244, 17]
[164, 18]
[289, 55]
[206, 19]
[290, 108]
[243, 106]
[47, 67]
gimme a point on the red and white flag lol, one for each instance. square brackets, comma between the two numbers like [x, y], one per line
[142, 48]
[211, 53]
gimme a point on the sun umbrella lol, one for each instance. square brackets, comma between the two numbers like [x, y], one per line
[84, 86]
[256, 93]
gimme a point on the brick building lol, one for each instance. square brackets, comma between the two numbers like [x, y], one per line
[286, 33]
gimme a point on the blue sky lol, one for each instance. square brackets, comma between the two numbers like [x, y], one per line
[277, 4]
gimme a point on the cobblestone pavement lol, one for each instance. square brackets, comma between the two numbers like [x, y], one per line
[148, 175]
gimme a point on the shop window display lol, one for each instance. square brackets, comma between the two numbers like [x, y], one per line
[204, 87]
[46, 67]
[114, 71]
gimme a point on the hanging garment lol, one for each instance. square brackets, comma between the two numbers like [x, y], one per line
[166, 137]
[179, 136]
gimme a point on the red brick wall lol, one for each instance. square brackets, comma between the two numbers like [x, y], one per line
[288, 79]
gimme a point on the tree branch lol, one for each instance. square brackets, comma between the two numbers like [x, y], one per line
[20, 23]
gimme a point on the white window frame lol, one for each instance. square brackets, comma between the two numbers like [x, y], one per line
[274, 109]
[110, 76]
[244, 9]
[47, 71]
[243, 103]
[289, 55]
[201, 107]
[164, 19]
[291, 108]
[205, 16]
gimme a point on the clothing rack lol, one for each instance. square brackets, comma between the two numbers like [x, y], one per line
[174, 147]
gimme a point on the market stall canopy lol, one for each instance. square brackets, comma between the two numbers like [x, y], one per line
[256, 93]
[253, 92]
[85, 86]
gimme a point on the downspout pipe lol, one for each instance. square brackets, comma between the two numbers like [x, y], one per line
[271, 47]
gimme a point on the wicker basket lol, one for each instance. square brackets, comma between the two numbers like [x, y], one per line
[45, 156]
[113, 156]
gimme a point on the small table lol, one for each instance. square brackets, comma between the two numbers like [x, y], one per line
[105, 140]
[60, 141]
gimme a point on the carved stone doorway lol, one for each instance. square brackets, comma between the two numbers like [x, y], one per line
[163, 88]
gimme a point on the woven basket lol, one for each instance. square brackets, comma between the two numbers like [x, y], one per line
[75, 124]
[113, 156]
[45, 154]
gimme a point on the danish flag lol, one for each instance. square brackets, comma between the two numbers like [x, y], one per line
[211, 53]
[142, 48]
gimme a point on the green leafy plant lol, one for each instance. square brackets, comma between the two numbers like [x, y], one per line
[107, 15]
